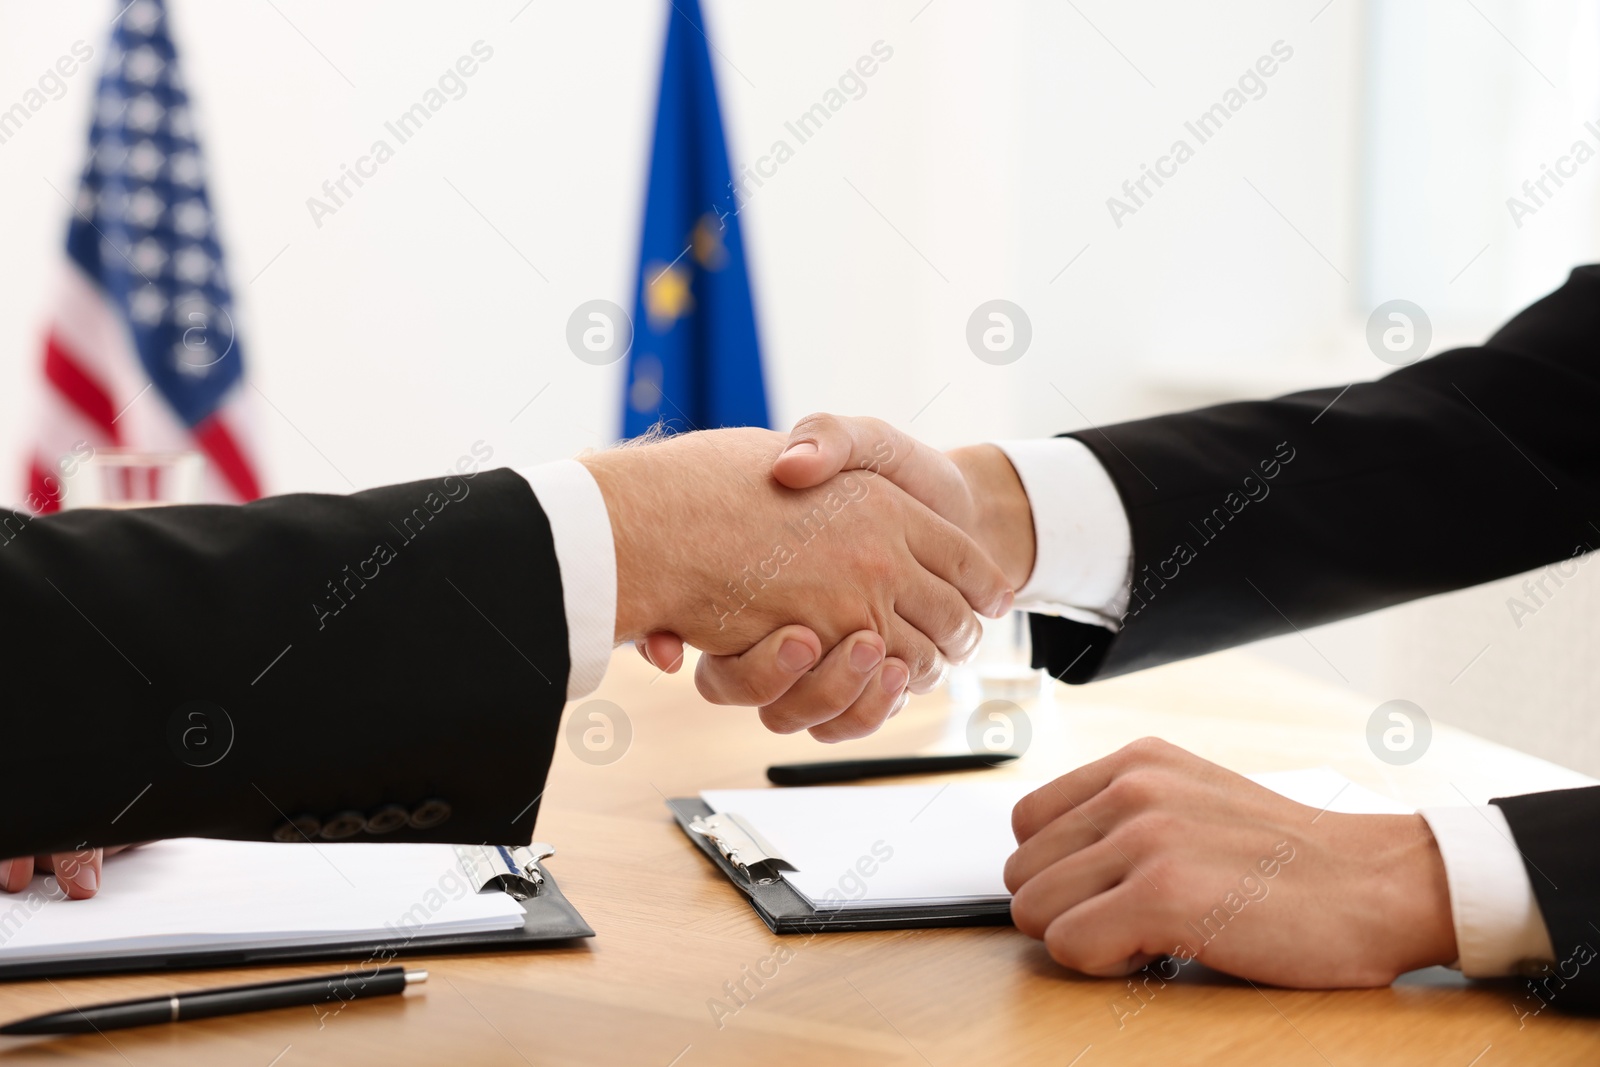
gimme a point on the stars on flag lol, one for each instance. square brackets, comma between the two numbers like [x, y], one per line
[142, 17]
[143, 195]
[666, 295]
[706, 241]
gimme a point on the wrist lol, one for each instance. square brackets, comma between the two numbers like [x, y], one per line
[1412, 895]
[1002, 515]
[647, 594]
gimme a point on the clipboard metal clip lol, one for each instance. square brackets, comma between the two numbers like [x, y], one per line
[741, 846]
[513, 870]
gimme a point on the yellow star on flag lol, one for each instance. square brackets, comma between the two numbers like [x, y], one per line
[707, 241]
[666, 295]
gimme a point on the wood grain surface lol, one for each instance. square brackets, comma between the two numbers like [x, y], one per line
[675, 938]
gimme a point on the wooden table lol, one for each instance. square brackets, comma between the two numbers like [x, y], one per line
[672, 931]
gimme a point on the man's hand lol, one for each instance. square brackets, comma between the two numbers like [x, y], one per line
[710, 547]
[1155, 852]
[975, 488]
[78, 873]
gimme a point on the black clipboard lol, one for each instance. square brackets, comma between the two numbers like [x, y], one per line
[551, 920]
[785, 911]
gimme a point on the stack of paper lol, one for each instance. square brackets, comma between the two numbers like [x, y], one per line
[238, 894]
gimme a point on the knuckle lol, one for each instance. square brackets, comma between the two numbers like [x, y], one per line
[818, 422]
[927, 670]
[872, 716]
[1132, 792]
[1013, 872]
[1027, 914]
[1147, 833]
[1149, 750]
[959, 555]
[884, 439]
[782, 719]
[879, 564]
[850, 725]
[751, 688]
[1065, 947]
[719, 683]
[968, 633]
[835, 689]
[1164, 890]
[1025, 818]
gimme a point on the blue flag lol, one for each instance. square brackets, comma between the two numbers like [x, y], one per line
[695, 363]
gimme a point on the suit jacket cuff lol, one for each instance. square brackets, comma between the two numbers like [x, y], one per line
[1080, 529]
[580, 526]
[1499, 927]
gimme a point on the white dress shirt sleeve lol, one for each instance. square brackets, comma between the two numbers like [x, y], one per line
[581, 529]
[1499, 927]
[1083, 555]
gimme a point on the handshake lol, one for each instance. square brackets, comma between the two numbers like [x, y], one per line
[826, 575]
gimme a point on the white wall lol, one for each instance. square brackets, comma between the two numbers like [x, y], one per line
[1464, 106]
[404, 328]
[977, 165]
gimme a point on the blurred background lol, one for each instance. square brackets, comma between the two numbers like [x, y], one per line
[429, 311]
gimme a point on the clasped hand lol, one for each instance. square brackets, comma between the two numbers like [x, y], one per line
[919, 540]
[821, 590]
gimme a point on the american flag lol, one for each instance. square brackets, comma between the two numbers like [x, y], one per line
[141, 350]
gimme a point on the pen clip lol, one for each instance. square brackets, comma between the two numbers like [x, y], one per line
[742, 846]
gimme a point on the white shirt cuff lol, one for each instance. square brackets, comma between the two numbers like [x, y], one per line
[581, 529]
[1496, 916]
[1084, 547]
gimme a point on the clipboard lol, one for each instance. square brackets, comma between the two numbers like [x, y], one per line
[737, 850]
[551, 920]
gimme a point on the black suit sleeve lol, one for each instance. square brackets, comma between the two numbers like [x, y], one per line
[1556, 833]
[1252, 519]
[389, 665]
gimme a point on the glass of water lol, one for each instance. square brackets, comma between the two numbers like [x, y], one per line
[131, 478]
[1002, 668]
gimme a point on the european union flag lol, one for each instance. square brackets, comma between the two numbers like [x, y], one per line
[695, 361]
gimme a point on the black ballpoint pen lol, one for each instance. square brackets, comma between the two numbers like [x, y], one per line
[850, 770]
[209, 1003]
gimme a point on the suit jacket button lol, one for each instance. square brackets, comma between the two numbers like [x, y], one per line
[428, 814]
[388, 819]
[343, 825]
[297, 830]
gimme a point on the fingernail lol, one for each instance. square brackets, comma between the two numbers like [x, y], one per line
[800, 448]
[87, 879]
[899, 705]
[1004, 605]
[795, 656]
[865, 656]
[894, 678]
[5, 873]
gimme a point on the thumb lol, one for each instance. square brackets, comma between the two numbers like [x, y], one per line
[662, 650]
[820, 446]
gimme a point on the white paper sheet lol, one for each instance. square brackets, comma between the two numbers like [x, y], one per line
[902, 845]
[881, 846]
[221, 894]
